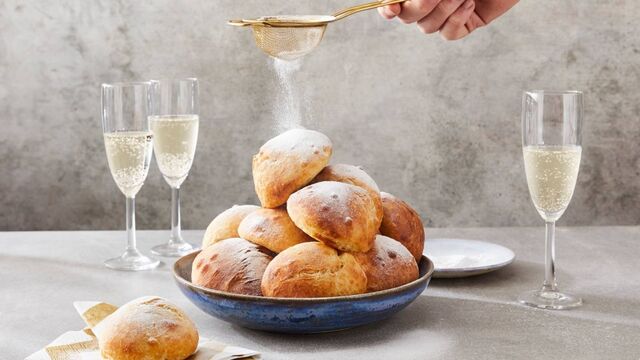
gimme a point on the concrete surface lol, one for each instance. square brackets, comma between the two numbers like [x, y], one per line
[42, 273]
[435, 122]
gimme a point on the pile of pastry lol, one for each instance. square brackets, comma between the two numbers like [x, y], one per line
[323, 230]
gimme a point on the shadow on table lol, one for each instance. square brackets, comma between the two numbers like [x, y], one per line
[53, 265]
[43, 263]
[506, 284]
[612, 309]
[449, 328]
[415, 319]
[426, 316]
[523, 273]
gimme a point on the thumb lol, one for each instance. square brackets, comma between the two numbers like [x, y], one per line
[390, 11]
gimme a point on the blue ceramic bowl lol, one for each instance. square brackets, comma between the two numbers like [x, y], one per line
[300, 315]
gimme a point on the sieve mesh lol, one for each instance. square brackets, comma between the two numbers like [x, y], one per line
[288, 43]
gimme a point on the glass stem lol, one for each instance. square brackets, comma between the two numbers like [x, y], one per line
[550, 258]
[131, 224]
[176, 236]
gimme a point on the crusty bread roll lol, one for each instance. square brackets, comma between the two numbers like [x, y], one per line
[147, 328]
[288, 162]
[338, 214]
[225, 225]
[388, 264]
[311, 270]
[353, 175]
[400, 222]
[273, 229]
[234, 265]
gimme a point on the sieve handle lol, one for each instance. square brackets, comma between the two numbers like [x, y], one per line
[341, 14]
[238, 23]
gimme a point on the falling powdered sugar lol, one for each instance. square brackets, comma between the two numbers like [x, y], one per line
[287, 108]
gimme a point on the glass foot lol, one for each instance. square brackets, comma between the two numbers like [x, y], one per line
[132, 261]
[173, 249]
[552, 300]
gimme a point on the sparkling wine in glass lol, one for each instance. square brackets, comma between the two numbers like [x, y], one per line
[551, 140]
[174, 123]
[129, 144]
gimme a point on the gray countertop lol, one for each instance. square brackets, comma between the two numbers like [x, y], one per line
[42, 273]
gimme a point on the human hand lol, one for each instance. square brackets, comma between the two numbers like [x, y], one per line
[454, 19]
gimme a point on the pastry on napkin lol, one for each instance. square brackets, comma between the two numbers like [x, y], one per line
[83, 345]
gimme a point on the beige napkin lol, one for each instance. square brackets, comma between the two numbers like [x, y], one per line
[82, 345]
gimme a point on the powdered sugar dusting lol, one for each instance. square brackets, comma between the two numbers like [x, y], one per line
[350, 174]
[391, 246]
[301, 142]
[334, 196]
[148, 316]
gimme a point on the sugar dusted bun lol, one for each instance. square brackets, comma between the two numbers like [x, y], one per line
[234, 265]
[225, 225]
[338, 214]
[402, 223]
[388, 264]
[288, 162]
[273, 229]
[353, 175]
[313, 270]
[149, 328]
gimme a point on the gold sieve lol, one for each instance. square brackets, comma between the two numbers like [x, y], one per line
[289, 37]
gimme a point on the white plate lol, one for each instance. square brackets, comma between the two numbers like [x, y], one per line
[459, 257]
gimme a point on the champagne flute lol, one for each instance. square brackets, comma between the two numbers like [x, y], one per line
[174, 123]
[551, 140]
[128, 143]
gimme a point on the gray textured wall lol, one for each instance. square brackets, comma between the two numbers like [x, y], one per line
[434, 122]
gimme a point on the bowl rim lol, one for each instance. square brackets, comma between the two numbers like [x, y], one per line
[285, 300]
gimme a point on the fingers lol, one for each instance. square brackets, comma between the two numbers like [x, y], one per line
[414, 10]
[390, 11]
[453, 18]
[436, 18]
[454, 27]
[474, 22]
[490, 10]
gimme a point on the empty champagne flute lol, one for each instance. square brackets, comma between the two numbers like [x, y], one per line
[174, 123]
[128, 144]
[551, 140]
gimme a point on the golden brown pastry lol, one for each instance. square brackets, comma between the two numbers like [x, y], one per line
[288, 162]
[353, 175]
[338, 214]
[234, 265]
[400, 222]
[273, 229]
[149, 328]
[313, 269]
[225, 225]
[388, 264]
